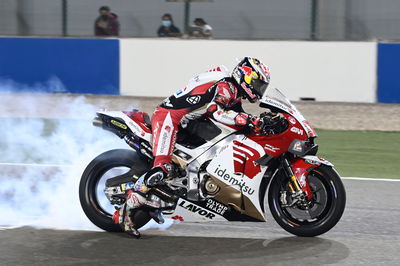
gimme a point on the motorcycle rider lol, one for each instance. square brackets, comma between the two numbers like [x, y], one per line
[216, 93]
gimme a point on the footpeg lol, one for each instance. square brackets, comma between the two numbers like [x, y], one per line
[157, 216]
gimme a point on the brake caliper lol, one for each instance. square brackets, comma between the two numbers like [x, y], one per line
[301, 168]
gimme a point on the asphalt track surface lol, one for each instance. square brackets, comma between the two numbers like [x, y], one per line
[368, 234]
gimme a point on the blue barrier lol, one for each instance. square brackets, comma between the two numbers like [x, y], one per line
[388, 73]
[59, 65]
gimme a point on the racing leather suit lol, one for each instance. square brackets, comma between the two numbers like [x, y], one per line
[212, 93]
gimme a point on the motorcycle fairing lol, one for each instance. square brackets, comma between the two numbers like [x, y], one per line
[141, 131]
[209, 210]
[184, 156]
[316, 160]
[236, 171]
[191, 211]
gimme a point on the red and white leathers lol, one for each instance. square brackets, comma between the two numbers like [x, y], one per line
[212, 93]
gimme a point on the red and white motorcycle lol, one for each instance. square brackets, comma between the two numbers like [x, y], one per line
[222, 173]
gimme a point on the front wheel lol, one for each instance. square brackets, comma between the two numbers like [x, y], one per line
[316, 216]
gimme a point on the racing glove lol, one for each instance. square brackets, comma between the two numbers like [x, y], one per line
[252, 121]
[256, 124]
[273, 123]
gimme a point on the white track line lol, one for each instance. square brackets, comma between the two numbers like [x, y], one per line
[37, 165]
[2, 228]
[370, 179]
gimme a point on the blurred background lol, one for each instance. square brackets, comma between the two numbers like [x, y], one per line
[230, 19]
[341, 51]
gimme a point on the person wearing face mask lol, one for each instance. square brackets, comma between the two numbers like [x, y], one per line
[107, 23]
[167, 28]
[200, 29]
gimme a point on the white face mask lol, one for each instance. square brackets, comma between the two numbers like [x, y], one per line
[166, 23]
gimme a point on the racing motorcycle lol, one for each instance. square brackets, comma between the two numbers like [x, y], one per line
[221, 173]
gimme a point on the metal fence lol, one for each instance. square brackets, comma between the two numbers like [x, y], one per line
[230, 19]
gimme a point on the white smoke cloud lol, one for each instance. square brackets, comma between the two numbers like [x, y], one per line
[42, 161]
[46, 195]
[53, 84]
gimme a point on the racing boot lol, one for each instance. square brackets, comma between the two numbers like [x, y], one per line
[157, 174]
[129, 227]
[122, 215]
[122, 218]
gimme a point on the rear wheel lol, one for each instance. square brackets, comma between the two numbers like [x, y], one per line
[311, 217]
[91, 188]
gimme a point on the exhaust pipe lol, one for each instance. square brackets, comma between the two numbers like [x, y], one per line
[97, 122]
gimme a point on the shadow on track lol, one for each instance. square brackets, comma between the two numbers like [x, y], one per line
[28, 246]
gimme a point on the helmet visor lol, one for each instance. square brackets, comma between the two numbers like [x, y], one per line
[259, 86]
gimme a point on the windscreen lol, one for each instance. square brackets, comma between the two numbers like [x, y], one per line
[277, 95]
[274, 97]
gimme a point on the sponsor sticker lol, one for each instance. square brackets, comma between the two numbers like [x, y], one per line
[248, 91]
[244, 187]
[153, 204]
[292, 120]
[136, 127]
[167, 102]
[193, 99]
[298, 147]
[118, 124]
[271, 148]
[180, 92]
[127, 186]
[163, 145]
[197, 209]
[178, 218]
[247, 70]
[277, 104]
[297, 130]
[216, 206]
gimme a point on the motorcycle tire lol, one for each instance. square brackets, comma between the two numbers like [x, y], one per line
[326, 187]
[92, 175]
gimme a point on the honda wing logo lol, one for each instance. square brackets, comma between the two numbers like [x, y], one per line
[244, 158]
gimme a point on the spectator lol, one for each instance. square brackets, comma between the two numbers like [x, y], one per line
[200, 29]
[107, 23]
[167, 28]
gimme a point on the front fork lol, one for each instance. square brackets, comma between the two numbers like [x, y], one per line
[298, 185]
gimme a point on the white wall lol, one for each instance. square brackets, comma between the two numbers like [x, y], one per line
[327, 71]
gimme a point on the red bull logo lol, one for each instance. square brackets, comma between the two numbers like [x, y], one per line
[247, 70]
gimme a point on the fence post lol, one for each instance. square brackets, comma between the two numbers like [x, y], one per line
[23, 26]
[187, 16]
[314, 21]
[64, 7]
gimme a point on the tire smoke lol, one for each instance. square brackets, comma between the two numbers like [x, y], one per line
[41, 164]
[42, 160]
